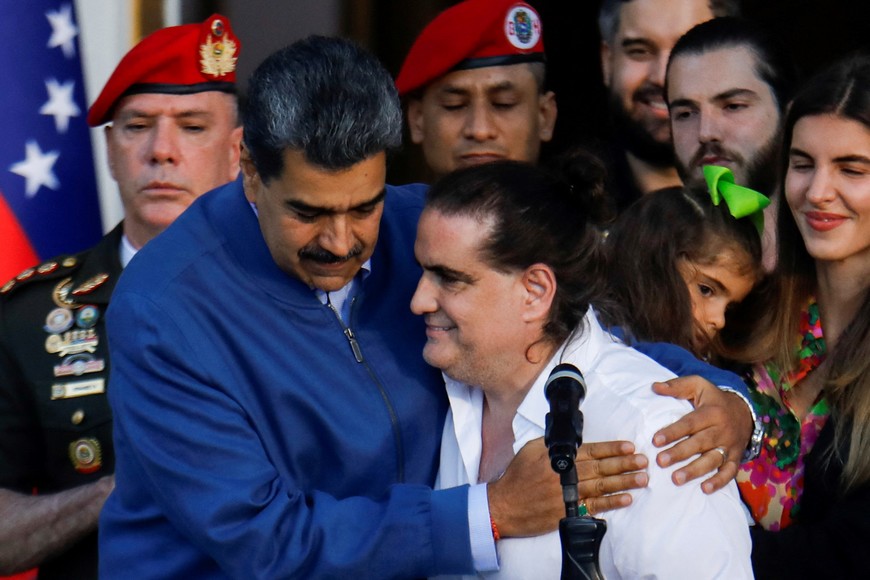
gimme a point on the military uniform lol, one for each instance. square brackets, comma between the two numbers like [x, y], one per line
[55, 420]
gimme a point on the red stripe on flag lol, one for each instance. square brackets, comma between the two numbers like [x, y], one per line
[16, 253]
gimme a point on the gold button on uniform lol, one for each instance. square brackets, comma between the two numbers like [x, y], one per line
[78, 416]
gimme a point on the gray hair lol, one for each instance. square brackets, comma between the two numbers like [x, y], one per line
[325, 97]
[608, 16]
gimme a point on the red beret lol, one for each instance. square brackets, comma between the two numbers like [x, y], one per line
[473, 34]
[178, 60]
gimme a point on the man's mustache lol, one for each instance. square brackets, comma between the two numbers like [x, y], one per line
[321, 256]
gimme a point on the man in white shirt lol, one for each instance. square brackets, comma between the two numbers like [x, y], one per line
[509, 276]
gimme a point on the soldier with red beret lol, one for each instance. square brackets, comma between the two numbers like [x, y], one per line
[173, 133]
[474, 82]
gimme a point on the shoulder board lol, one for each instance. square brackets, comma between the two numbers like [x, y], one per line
[49, 270]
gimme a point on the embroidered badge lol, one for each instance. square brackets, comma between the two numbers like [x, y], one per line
[217, 55]
[522, 27]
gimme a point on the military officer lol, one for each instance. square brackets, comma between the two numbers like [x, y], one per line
[173, 134]
[474, 85]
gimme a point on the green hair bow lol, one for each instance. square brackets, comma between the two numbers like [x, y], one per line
[741, 201]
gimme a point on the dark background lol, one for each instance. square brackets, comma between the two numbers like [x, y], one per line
[816, 31]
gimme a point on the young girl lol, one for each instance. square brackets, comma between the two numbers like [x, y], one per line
[678, 259]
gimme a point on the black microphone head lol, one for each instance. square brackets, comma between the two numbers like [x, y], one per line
[563, 432]
[565, 372]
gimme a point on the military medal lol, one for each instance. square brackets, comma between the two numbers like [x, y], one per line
[87, 316]
[86, 455]
[25, 274]
[60, 294]
[90, 285]
[72, 342]
[47, 268]
[79, 364]
[58, 320]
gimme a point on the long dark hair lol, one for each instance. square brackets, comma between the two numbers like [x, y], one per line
[644, 249]
[537, 217]
[842, 90]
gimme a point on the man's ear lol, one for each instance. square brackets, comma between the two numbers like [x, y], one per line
[250, 178]
[415, 120]
[605, 63]
[539, 283]
[548, 110]
[110, 150]
[235, 151]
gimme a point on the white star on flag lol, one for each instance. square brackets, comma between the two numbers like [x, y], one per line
[37, 168]
[63, 31]
[60, 103]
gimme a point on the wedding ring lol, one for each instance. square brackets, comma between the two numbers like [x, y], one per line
[582, 509]
[721, 450]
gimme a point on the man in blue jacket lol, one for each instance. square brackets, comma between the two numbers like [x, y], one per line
[274, 417]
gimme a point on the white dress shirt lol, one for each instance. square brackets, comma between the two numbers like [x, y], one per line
[668, 532]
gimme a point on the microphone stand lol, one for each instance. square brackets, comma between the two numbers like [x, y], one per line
[580, 535]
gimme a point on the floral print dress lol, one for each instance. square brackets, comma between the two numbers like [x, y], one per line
[771, 485]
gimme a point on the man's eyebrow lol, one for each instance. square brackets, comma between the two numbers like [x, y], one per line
[799, 153]
[629, 42]
[735, 93]
[186, 114]
[308, 208]
[449, 273]
[683, 103]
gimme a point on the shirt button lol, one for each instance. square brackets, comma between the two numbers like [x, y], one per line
[77, 417]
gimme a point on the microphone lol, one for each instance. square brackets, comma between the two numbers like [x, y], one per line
[580, 536]
[565, 390]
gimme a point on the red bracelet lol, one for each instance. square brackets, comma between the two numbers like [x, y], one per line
[495, 535]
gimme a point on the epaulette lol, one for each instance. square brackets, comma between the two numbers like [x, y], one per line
[49, 270]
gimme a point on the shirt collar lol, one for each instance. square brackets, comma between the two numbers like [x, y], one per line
[127, 251]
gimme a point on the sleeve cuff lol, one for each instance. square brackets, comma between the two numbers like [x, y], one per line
[483, 551]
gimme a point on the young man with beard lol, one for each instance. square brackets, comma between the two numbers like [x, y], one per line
[636, 41]
[728, 82]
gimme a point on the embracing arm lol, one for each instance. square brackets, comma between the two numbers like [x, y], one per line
[527, 500]
[33, 528]
[228, 483]
[723, 417]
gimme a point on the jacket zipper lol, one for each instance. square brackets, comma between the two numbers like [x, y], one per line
[358, 356]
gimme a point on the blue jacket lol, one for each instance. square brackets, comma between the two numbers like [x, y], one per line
[683, 363]
[250, 443]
